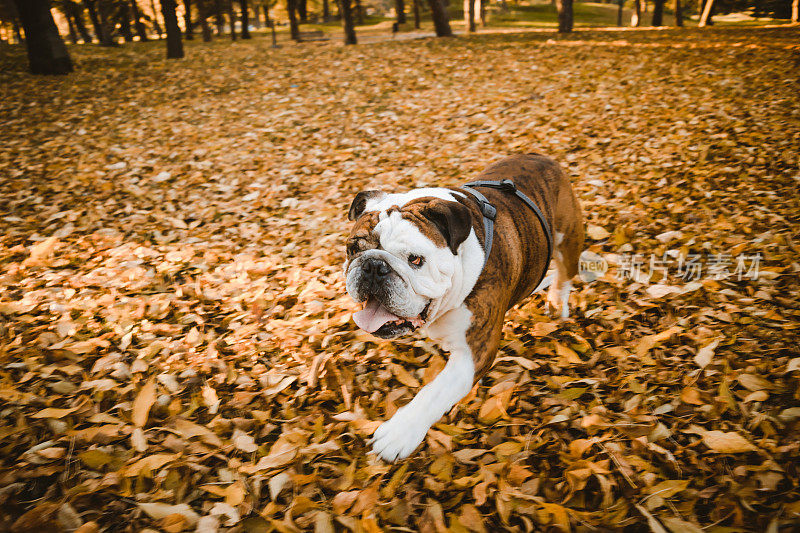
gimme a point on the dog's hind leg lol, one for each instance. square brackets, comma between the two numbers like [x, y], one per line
[569, 239]
[558, 294]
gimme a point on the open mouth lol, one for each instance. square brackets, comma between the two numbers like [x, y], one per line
[381, 322]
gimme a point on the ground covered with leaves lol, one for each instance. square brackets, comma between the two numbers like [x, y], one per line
[176, 349]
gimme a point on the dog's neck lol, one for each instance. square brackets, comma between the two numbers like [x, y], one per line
[464, 278]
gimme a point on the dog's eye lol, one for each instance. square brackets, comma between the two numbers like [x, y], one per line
[352, 248]
[416, 260]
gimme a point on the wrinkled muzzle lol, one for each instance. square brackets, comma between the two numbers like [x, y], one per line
[391, 307]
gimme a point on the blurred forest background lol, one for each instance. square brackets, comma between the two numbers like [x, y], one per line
[176, 344]
[112, 22]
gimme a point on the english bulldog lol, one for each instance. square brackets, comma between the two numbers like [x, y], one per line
[430, 260]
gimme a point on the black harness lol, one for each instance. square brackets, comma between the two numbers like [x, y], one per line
[489, 213]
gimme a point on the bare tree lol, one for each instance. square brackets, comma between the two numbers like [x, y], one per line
[636, 16]
[678, 14]
[795, 11]
[219, 19]
[294, 29]
[123, 16]
[267, 20]
[47, 53]
[469, 16]
[205, 28]
[441, 20]
[75, 11]
[104, 9]
[156, 26]
[565, 17]
[73, 33]
[188, 31]
[100, 28]
[137, 21]
[705, 17]
[174, 42]
[245, 19]
[619, 11]
[400, 8]
[232, 19]
[416, 14]
[658, 13]
[347, 22]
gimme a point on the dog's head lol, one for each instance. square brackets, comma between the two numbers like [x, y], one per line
[401, 256]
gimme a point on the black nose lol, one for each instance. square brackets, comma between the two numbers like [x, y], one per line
[376, 269]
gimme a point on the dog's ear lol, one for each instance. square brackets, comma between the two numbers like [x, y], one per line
[452, 219]
[360, 203]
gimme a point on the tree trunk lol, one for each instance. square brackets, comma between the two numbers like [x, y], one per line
[796, 11]
[73, 34]
[188, 32]
[80, 23]
[203, 12]
[416, 14]
[267, 20]
[359, 12]
[326, 11]
[564, 15]
[232, 19]
[257, 16]
[99, 33]
[400, 8]
[705, 17]
[137, 21]
[469, 16]
[156, 25]
[124, 16]
[347, 22]
[76, 12]
[678, 14]
[658, 13]
[441, 20]
[47, 53]
[302, 10]
[205, 28]
[619, 12]
[636, 16]
[219, 20]
[294, 30]
[102, 12]
[245, 19]
[174, 43]
[481, 9]
[17, 30]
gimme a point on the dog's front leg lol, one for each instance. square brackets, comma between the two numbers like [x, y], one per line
[399, 436]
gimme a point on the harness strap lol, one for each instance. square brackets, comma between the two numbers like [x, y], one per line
[489, 213]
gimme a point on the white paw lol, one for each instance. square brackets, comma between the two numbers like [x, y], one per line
[553, 305]
[399, 436]
[558, 301]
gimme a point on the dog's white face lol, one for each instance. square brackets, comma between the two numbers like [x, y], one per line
[406, 258]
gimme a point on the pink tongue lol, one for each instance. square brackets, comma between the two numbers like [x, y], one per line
[373, 316]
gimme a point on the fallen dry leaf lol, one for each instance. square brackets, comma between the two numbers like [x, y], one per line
[143, 402]
[175, 328]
